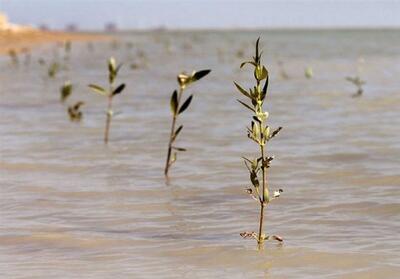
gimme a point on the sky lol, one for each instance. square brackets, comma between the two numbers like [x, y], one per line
[204, 14]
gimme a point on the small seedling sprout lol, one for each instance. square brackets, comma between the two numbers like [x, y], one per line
[75, 114]
[14, 57]
[358, 83]
[67, 49]
[53, 69]
[261, 133]
[184, 80]
[113, 90]
[65, 91]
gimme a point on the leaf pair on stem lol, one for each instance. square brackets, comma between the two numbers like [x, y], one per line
[113, 90]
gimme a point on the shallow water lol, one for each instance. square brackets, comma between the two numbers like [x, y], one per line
[71, 207]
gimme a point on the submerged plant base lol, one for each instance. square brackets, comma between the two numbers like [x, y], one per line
[358, 82]
[263, 237]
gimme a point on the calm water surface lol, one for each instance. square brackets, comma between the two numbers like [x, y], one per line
[71, 207]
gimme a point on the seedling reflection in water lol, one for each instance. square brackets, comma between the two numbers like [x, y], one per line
[261, 133]
[184, 80]
[113, 70]
[358, 83]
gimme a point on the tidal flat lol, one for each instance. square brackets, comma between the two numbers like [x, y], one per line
[73, 207]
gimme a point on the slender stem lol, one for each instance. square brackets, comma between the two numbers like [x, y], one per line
[109, 111]
[167, 162]
[260, 230]
[108, 120]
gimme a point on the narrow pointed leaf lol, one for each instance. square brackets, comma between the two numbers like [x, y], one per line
[177, 132]
[265, 88]
[78, 105]
[98, 89]
[119, 89]
[274, 133]
[111, 65]
[248, 62]
[179, 148]
[200, 74]
[185, 104]
[174, 102]
[118, 68]
[246, 105]
[242, 90]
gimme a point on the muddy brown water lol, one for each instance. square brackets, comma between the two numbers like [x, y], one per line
[71, 207]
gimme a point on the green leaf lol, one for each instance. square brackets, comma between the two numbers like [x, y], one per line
[254, 179]
[111, 65]
[65, 90]
[118, 68]
[275, 132]
[177, 132]
[118, 89]
[261, 73]
[185, 104]
[264, 90]
[266, 195]
[98, 89]
[200, 74]
[256, 119]
[174, 102]
[179, 148]
[248, 62]
[78, 105]
[246, 105]
[244, 92]
[173, 159]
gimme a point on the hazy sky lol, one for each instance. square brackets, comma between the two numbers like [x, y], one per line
[93, 14]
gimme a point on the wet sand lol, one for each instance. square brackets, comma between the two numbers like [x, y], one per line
[25, 40]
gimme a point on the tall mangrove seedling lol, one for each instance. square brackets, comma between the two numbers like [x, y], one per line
[112, 90]
[261, 133]
[176, 108]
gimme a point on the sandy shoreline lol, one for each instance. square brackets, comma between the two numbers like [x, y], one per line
[24, 40]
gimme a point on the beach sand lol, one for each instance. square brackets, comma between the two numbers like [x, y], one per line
[25, 40]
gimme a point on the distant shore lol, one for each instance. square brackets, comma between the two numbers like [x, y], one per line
[26, 40]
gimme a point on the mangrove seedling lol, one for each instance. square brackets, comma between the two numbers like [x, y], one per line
[53, 69]
[75, 114]
[113, 90]
[65, 91]
[184, 80]
[14, 57]
[67, 49]
[261, 133]
[358, 83]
